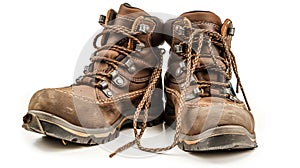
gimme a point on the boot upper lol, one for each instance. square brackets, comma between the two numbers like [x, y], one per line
[126, 53]
[210, 98]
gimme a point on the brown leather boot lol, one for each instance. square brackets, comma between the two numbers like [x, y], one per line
[200, 97]
[105, 98]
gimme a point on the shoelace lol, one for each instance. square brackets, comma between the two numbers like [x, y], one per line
[146, 100]
[230, 62]
[144, 104]
[114, 63]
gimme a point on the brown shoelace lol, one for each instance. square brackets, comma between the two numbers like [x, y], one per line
[88, 76]
[146, 100]
[230, 63]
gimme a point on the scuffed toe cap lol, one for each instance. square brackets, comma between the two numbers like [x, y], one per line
[77, 105]
[47, 99]
[56, 101]
[202, 116]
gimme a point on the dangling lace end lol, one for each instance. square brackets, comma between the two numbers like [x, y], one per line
[245, 98]
[248, 106]
[237, 87]
[112, 155]
[126, 146]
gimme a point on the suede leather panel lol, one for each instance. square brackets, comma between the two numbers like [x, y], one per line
[201, 114]
[206, 112]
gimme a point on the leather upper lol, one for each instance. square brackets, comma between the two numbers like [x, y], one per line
[210, 108]
[87, 103]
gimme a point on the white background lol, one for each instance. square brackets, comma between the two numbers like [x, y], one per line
[40, 42]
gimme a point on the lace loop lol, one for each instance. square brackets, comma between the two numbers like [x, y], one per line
[112, 62]
[192, 62]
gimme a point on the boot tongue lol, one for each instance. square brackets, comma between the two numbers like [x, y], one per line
[125, 17]
[209, 21]
[126, 9]
[204, 20]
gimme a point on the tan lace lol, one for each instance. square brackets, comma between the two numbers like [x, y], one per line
[114, 63]
[145, 103]
[146, 100]
[229, 61]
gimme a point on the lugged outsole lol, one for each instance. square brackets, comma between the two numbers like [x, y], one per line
[53, 126]
[219, 138]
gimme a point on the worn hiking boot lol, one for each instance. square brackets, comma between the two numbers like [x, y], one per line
[200, 97]
[105, 98]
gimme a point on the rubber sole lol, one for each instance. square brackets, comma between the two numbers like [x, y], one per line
[230, 137]
[53, 126]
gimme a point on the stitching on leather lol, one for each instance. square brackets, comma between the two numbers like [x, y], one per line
[83, 98]
[153, 28]
[131, 94]
[132, 78]
[125, 18]
[154, 24]
[141, 61]
[103, 101]
[140, 20]
[176, 22]
[192, 105]
[181, 79]
[176, 94]
[207, 23]
[40, 92]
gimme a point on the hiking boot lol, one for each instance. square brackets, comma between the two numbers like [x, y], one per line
[102, 101]
[199, 94]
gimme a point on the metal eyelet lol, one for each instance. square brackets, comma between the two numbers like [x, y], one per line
[178, 48]
[102, 19]
[130, 66]
[116, 79]
[103, 85]
[162, 51]
[86, 69]
[104, 88]
[193, 79]
[227, 70]
[226, 91]
[196, 93]
[179, 30]
[178, 72]
[230, 92]
[144, 28]
[107, 92]
[180, 69]
[231, 31]
[139, 46]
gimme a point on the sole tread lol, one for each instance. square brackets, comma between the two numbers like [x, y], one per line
[220, 138]
[68, 132]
